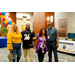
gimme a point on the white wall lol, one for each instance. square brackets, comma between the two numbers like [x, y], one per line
[31, 22]
[21, 22]
[70, 21]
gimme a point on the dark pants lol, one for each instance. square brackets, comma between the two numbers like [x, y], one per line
[41, 55]
[16, 51]
[52, 46]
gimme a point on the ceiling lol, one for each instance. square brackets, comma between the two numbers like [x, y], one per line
[26, 12]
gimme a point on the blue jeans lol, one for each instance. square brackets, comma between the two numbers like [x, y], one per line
[52, 46]
[16, 51]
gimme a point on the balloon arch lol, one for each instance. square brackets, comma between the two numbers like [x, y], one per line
[6, 19]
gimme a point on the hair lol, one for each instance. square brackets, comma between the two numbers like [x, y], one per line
[12, 30]
[49, 23]
[40, 34]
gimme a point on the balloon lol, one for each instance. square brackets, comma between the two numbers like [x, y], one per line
[9, 19]
[6, 24]
[3, 13]
[3, 19]
[6, 21]
[7, 14]
[12, 23]
[6, 17]
[8, 28]
[3, 16]
[0, 13]
[9, 22]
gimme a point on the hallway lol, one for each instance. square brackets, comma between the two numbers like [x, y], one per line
[62, 57]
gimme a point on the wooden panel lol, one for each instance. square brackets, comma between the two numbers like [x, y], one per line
[1, 22]
[47, 15]
[36, 22]
[36, 25]
[52, 13]
[39, 22]
[42, 20]
[13, 16]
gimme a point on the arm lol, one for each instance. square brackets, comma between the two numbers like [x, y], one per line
[57, 45]
[35, 36]
[22, 35]
[57, 35]
[9, 42]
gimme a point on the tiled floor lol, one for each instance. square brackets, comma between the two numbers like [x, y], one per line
[61, 56]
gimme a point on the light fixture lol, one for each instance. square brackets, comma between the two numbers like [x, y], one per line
[51, 17]
[24, 17]
[48, 19]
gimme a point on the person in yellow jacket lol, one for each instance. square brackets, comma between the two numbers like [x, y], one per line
[14, 42]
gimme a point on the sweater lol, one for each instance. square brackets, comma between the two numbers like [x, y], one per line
[13, 38]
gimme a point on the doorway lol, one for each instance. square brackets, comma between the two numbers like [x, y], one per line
[21, 21]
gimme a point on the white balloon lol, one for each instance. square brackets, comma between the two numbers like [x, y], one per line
[9, 19]
[6, 17]
[7, 14]
[9, 26]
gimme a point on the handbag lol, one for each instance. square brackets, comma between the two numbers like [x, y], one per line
[10, 57]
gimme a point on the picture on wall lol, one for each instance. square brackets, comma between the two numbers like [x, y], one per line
[62, 27]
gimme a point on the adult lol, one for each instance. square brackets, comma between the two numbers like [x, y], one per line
[41, 47]
[52, 41]
[27, 37]
[14, 42]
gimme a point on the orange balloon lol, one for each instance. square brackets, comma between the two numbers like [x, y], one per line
[3, 16]
[0, 15]
[8, 28]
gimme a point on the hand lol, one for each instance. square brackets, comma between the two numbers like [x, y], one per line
[46, 42]
[10, 51]
[34, 38]
[57, 45]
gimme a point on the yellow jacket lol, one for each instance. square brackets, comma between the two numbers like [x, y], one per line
[13, 38]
